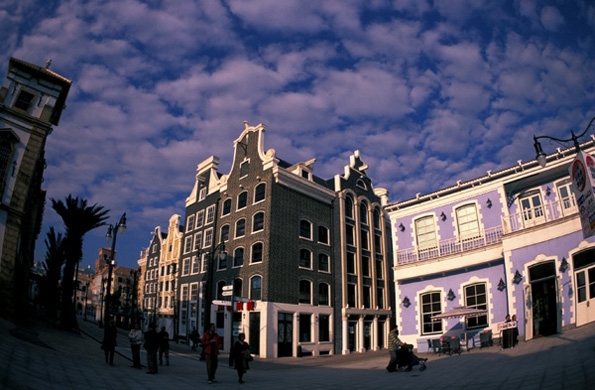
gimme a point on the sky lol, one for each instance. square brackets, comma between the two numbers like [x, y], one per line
[429, 92]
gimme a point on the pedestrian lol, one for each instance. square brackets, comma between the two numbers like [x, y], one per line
[136, 339]
[194, 339]
[240, 356]
[163, 346]
[152, 346]
[110, 341]
[211, 342]
[394, 343]
[515, 331]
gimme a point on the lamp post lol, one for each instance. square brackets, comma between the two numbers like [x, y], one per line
[209, 289]
[103, 280]
[134, 273]
[86, 296]
[112, 235]
[541, 156]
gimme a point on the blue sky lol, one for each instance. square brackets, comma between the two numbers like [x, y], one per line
[430, 92]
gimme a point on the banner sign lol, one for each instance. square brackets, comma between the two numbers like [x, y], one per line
[582, 173]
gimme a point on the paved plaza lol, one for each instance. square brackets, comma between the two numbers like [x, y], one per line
[40, 357]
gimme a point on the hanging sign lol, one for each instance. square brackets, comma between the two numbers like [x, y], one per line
[582, 173]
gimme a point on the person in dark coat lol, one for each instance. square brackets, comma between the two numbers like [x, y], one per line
[152, 346]
[163, 346]
[240, 355]
[109, 342]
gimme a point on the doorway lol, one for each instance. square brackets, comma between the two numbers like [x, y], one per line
[285, 339]
[584, 266]
[544, 292]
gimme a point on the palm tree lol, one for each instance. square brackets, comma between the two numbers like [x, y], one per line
[78, 220]
[54, 260]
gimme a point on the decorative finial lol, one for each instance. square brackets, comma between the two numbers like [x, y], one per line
[246, 124]
[48, 63]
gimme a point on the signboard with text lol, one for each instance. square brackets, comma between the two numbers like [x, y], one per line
[582, 173]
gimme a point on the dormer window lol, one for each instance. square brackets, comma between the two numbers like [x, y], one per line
[244, 166]
[305, 174]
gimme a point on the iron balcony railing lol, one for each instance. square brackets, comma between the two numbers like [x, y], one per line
[535, 216]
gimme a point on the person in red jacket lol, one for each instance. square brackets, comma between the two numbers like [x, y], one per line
[211, 343]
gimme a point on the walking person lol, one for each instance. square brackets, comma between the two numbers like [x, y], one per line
[163, 346]
[240, 356]
[394, 343]
[194, 339]
[211, 342]
[110, 341]
[152, 346]
[136, 339]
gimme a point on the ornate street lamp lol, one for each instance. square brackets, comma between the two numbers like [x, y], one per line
[541, 156]
[112, 235]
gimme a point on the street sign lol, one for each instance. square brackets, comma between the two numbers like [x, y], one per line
[228, 288]
[221, 303]
[227, 293]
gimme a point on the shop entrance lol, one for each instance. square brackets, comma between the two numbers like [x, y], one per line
[544, 292]
[584, 273]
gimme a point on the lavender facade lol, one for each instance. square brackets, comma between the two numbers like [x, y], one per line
[509, 242]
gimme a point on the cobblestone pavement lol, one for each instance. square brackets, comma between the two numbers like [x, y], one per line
[42, 357]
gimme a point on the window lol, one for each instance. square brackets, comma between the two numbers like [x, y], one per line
[349, 235]
[204, 263]
[195, 265]
[324, 326]
[377, 243]
[237, 287]
[24, 100]
[238, 257]
[467, 221]
[210, 214]
[190, 223]
[208, 241]
[349, 207]
[360, 183]
[376, 217]
[226, 209]
[202, 193]
[185, 266]
[200, 218]
[6, 153]
[188, 243]
[425, 232]
[565, 195]
[323, 236]
[197, 241]
[324, 296]
[242, 200]
[305, 292]
[351, 295]
[430, 306]
[305, 229]
[224, 233]
[379, 269]
[305, 174]
[256, 288]
[366, 266]
[240, 228]
[380, 297]
[367, 296]
[476, 298]
[257, 253]
[305, 328]
[532, 207]
[258, 222]
[259, 192]
[363, 213]
[351, 263]
[324, 263]
[244, 167]
[365, 239]
[305, 258]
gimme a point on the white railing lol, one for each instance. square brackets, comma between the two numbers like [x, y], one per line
[548, 212]
[450, 246]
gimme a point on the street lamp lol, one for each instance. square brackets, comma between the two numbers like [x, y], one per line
[541, 156]
[222, 254]
[86, 296]
[112, 235]
[134, 273]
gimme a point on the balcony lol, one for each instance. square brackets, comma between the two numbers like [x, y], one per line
[535, 216]
[451, 246]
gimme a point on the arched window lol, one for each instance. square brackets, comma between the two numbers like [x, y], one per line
[259, 192]
[363, 213]
[256, 253]
[238, 257]
[242, 200]
[258, 222]
[324, 295]
[240, 228]
[305, 229]
[376, 218]
[305, 259]
[349, 207]
[256, 288]
[226, 209]
[224, 233]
